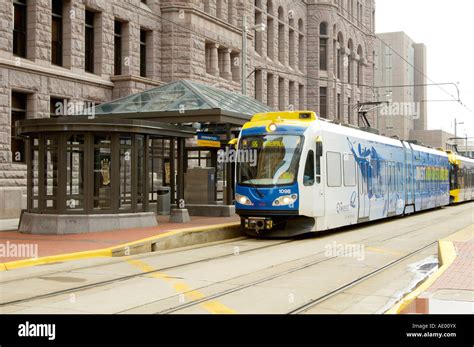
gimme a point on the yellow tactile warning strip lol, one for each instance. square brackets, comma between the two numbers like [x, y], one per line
[446, 255]
[212, 306]
[105, 252]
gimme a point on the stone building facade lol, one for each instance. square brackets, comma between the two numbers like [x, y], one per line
[59, 56]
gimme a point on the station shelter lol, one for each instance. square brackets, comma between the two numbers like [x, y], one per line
[108, 169]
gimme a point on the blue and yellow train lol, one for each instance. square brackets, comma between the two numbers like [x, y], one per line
[313, 175]
[461, 178]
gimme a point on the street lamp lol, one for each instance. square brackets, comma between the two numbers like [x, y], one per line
[245, 29]
[456, 123]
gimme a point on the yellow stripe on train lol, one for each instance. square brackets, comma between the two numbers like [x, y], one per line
[300, 118]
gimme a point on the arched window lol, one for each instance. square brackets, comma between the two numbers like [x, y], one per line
[339, 58]
[207, 6]
[270, 31]
[230, 11]
[323, 46]
[281, 35]
[280, 14]
[323, 29]
[291, 42]
[219, 9]
[270, 7]
[258, 38]
[350, 47]
[291, 47]
[301, 44]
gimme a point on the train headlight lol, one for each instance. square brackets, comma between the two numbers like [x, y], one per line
[285, 200]
[272, 127]
[243, 200]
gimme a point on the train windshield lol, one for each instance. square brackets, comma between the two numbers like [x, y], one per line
[276, 160]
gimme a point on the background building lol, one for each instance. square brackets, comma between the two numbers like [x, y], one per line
[397, 76]
[433, 138]
[59, 56]
[466, 151]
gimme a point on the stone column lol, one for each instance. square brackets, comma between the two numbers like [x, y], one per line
[104, 44]
[5, 154]
[227, 74]
[39, 26]
[73, 36]
[131, 49]
[214, 70]
[292, 49]
[6, 27]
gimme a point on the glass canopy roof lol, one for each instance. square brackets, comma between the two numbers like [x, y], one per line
[183, 95]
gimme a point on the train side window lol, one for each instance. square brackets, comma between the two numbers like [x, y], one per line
[333, 171]
[349, 170]
[308, 178]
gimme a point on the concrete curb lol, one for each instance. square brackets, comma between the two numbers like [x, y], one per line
[169, 240]
[446, 256]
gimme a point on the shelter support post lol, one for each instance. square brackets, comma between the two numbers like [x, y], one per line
[180, 183]
[228, 186]
[172, 170]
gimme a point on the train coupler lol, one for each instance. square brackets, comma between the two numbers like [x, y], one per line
[258, 223]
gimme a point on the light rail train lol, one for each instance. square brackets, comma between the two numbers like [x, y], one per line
[313, 175]
[461, 178]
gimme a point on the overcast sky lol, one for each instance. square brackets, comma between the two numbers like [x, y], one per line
[446, 28]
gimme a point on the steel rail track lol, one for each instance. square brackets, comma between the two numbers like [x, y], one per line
[365, 277]
[124, 278]
[286, 272]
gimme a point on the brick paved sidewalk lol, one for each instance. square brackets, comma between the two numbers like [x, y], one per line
[47, 245]
[453, 291]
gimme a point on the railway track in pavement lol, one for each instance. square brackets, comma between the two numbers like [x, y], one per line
[128, 277]
[302, 267]
[371, 237]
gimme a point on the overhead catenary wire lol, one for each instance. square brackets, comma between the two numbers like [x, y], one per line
[405, 60]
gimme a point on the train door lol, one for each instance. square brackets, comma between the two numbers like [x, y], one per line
[392, 199]
[319, 186]
[311, 202]
[363, 178]
[408, 177]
